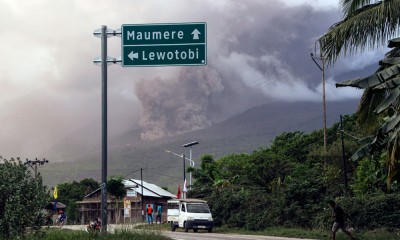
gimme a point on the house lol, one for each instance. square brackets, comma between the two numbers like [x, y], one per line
[128, 209]
[52, 210]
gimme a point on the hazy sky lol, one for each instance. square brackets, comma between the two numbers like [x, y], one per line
[258, 51]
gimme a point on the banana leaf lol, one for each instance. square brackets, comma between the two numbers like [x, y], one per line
[361, 152]
[392, 83]
[392, 98]
[395, 42]
[372, 80]
[390, 61]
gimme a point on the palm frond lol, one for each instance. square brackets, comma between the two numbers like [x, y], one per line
[350, 6]
[367, 27]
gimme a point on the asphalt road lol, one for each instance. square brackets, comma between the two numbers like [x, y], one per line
[219, 236]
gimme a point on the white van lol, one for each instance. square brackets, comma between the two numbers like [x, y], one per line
[189, 214]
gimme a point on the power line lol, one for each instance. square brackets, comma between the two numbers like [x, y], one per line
[348, 134]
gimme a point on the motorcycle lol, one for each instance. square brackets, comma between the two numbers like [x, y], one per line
[94, 226]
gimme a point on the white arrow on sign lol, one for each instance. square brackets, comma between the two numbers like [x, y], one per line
[196, 34]
[133, 55]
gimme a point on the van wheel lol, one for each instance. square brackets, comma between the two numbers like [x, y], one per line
[195, 229]
[210, 230]
[173, 227]
[186, 227]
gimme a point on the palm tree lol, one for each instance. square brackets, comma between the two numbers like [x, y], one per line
[368, 24]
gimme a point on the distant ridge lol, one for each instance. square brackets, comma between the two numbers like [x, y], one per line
[244, 133]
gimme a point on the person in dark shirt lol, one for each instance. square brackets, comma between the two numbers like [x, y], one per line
[338, 215]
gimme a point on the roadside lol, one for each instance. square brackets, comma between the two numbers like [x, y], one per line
[278, 233]
[110, 227]
[287, 233]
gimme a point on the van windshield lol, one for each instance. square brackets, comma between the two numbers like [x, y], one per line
[173, 205]
[197, 208]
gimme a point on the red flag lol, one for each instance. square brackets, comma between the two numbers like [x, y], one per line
[178, 195]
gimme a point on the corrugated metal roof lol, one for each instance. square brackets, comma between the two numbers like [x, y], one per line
[149, 189]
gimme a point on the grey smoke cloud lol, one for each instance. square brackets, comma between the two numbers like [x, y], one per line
[178, 105]
[258, 51]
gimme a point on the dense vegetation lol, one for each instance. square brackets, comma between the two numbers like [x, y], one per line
[22, 199]
[290, 183]
[71, 192]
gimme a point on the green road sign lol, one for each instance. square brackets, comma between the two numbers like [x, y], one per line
[164, 44]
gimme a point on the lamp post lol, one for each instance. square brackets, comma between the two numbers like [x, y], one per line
[323, 95]
[183, 156]
[189, 145]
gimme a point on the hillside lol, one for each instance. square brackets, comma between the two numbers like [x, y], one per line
[243, 133]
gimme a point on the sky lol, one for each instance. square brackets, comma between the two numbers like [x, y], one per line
[258, 52]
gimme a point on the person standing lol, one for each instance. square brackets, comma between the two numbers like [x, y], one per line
[338, 215]
[159, 214]
[61, 218]
[149, 214]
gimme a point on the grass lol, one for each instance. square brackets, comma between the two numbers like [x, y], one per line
[65, 234]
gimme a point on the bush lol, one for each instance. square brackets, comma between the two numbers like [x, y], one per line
[366, 212]
[22, 199]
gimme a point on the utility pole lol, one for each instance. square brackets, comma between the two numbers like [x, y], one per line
[343, 154]
[323, 96]
[141, 180]
[35, 163]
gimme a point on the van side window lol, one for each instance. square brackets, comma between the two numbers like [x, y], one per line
[183, 208]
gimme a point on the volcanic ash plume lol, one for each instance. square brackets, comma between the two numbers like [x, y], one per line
[174, 106]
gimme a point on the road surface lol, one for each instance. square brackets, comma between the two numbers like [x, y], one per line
[219, 236]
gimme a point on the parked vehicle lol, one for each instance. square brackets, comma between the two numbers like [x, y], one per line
[94, 226]
[189, 214]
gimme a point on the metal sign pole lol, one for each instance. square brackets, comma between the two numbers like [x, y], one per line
[191, 40]
[104, 129]
[103, 61]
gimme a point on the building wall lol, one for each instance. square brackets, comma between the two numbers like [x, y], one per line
[89, 209]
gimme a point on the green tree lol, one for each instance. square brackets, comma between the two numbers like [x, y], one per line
[71, 192]
[22, 199]
[204, 176]
[116, 188]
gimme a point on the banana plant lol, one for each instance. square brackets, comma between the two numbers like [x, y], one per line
[384, 84]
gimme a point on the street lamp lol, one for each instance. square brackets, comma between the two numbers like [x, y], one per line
[189, 145]
[183, 156]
